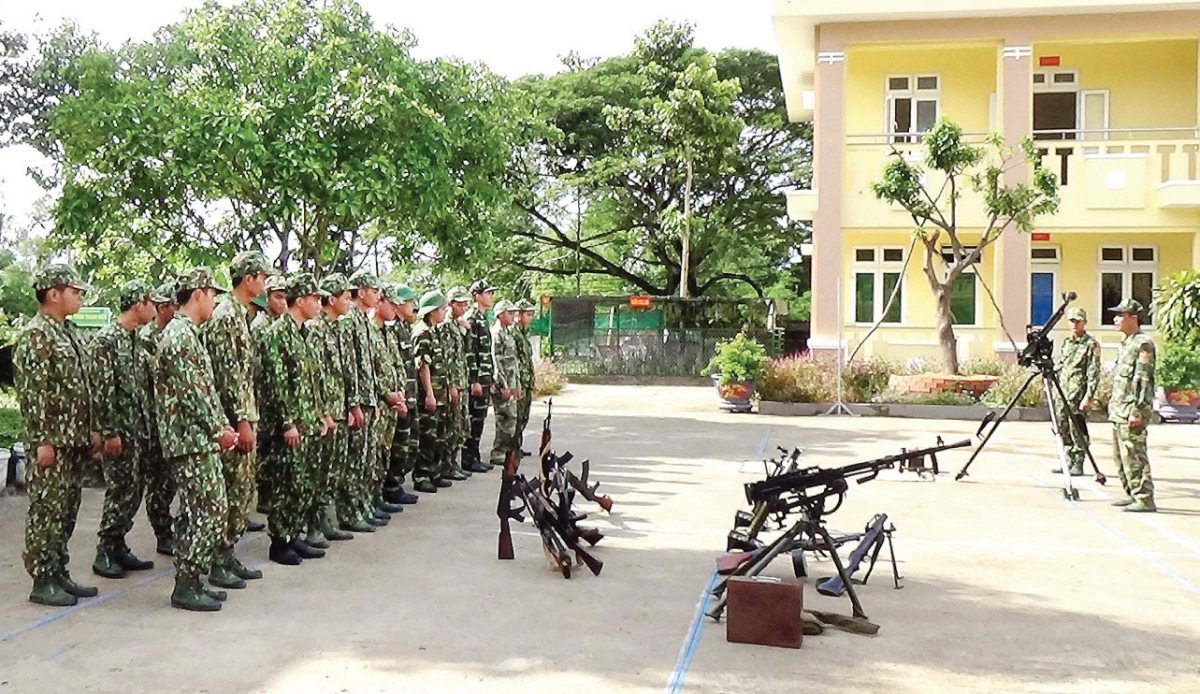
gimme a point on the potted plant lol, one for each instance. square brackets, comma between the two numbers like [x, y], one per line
[733, 368]
[1178, 377]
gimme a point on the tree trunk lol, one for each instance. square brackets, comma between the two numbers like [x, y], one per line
[945, 328]
[685, 259]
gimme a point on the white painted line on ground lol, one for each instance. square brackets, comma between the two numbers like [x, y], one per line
[688, 649]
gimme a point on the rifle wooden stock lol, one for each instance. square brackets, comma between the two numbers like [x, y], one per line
[504, 509]
[589, 491]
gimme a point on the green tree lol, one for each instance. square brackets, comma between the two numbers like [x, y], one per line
[932, 202]
[1176, 308]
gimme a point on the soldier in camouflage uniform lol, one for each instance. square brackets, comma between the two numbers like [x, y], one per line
[390, 376]
[334, 349]
[404, 444]
[1130, 406]
[226, 336]
[159, 482]
[50, 370]
[455, 418]
[362, 445]
[291, 387]
[120, 398]
[268, 434]
[479, 366]
[193, 431]
[507, 395]
[1078, 370]
[525, 365]
[432, 391]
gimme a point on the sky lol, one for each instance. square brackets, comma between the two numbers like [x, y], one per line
[513, 37]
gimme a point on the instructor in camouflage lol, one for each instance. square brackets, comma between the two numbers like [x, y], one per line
[480, 370]
[1078, 370]
[1130, 407]
[507, 394]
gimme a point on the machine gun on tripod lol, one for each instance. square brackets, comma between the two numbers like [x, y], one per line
[1039, 356]
[810, 491]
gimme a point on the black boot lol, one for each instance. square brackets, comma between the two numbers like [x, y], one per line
[240, 570]
[129, 561]
[106, 563]
[63, 578]
[282, 553]
[304, 550]
[426, 487]
[399, 496]
[47, 591]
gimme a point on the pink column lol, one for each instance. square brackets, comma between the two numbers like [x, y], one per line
[828, 129]
[1011, 278]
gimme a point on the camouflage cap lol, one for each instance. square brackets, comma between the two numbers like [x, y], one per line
[249, 263]
[301, 284]
[431, 301]
[526, 305]
[1077, 314]
[335, 283]
[134, 292]
[481, 287]
[504, 305]
[54, 275]
[198, 277]
[364, 278]
[1129, 306]
[165, 293]
[459, 295]
[404, 292]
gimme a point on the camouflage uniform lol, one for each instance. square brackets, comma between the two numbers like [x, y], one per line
[1079, 373]
[479, 367]
[1133, 392]
[190, 419]
[121, 401]
[455, 420]
[404, 443]
[363, 445]
[290, 379]
[268, 433]
[160, 485]
[508, 376]
[50, 371]
[230, 347]
[427, 351]
[525, 369]
[333, 354]
[388, 380]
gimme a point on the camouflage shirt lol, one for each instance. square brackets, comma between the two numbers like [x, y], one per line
[391, 342]
[268, 418]
[1079, 367]
[1133, 379]
[504, 358]
[479, 347]
[427, 351]
[365, 388]
[50, 370]
[231, 349]
[400, 335]
[383, 363]
[148, 336]
[289, 375]
[453, 339]
[322, 344]
[525, 357]
[186, 405]
[121, 383]
[334, 360]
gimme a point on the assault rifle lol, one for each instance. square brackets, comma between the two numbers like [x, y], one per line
[872, 541]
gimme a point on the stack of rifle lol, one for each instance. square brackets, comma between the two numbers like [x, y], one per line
[548, 502]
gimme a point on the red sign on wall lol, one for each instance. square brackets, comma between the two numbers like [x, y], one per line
[1041, 236]
[639, 302]
[1049, 61]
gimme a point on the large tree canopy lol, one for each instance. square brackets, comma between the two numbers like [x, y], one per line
[605, 184]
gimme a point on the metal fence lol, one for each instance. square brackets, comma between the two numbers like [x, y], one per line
[668, 336]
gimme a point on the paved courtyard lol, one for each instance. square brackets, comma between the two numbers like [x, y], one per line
[1007, 587]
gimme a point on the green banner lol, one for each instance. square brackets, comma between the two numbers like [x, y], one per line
[92, 317]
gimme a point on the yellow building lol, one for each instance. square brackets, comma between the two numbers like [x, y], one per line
[1111, 94]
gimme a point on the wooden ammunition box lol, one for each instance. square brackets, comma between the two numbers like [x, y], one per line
[764, 610]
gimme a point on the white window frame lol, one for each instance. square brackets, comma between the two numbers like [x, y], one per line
[915, 95]
[1127, 266]
[1051, 86]
[878, 267]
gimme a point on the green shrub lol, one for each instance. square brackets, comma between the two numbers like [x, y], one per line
[863, 380]
[799, 378]
[547, 379]
[1178, 367]
[10, 427]
[983, 367]
[738, 359]
[944, 397]
[1004, 390]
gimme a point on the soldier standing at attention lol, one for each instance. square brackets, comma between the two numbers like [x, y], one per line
[390, 377]
[268, 435]
[160, 484]
[525, 365]
[120, 398]
[455, 419]
[363, 444]
[50, 371]
[431, 392]
[404, 443]
[508, 382]
[291, 386]
[193, 430]
[333, 350]
[226, 336]
[1130, 406]
[1078, 370]
[479, 366]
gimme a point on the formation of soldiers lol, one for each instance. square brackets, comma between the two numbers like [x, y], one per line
[318, 398]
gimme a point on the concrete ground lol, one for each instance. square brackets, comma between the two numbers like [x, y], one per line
[1007, 587]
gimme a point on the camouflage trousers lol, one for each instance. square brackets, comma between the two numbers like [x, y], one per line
[54, 494]
[240, 471]
[360, 459]
[200, 527]
[524, 406]
[428, 461]
[384, 438]
[123, 484]
[293, 488]
[404, 447]
[160, 489]
[331, 468]
[269, 439]
[506, 429]
[477, 407]
[1133, 464]
[458, 426]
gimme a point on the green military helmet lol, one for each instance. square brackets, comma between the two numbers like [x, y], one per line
[249, 263]
[165, 293]
[481, 287]
[1129, 306]
[54, 275]
[431, 301]
[133, 292]
[198, 277]
[335, 283]
[1077, 314]
[301, 284]
[404, 293]
[459, 295]
[364, 278]
[525, 305]
[504, 305]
